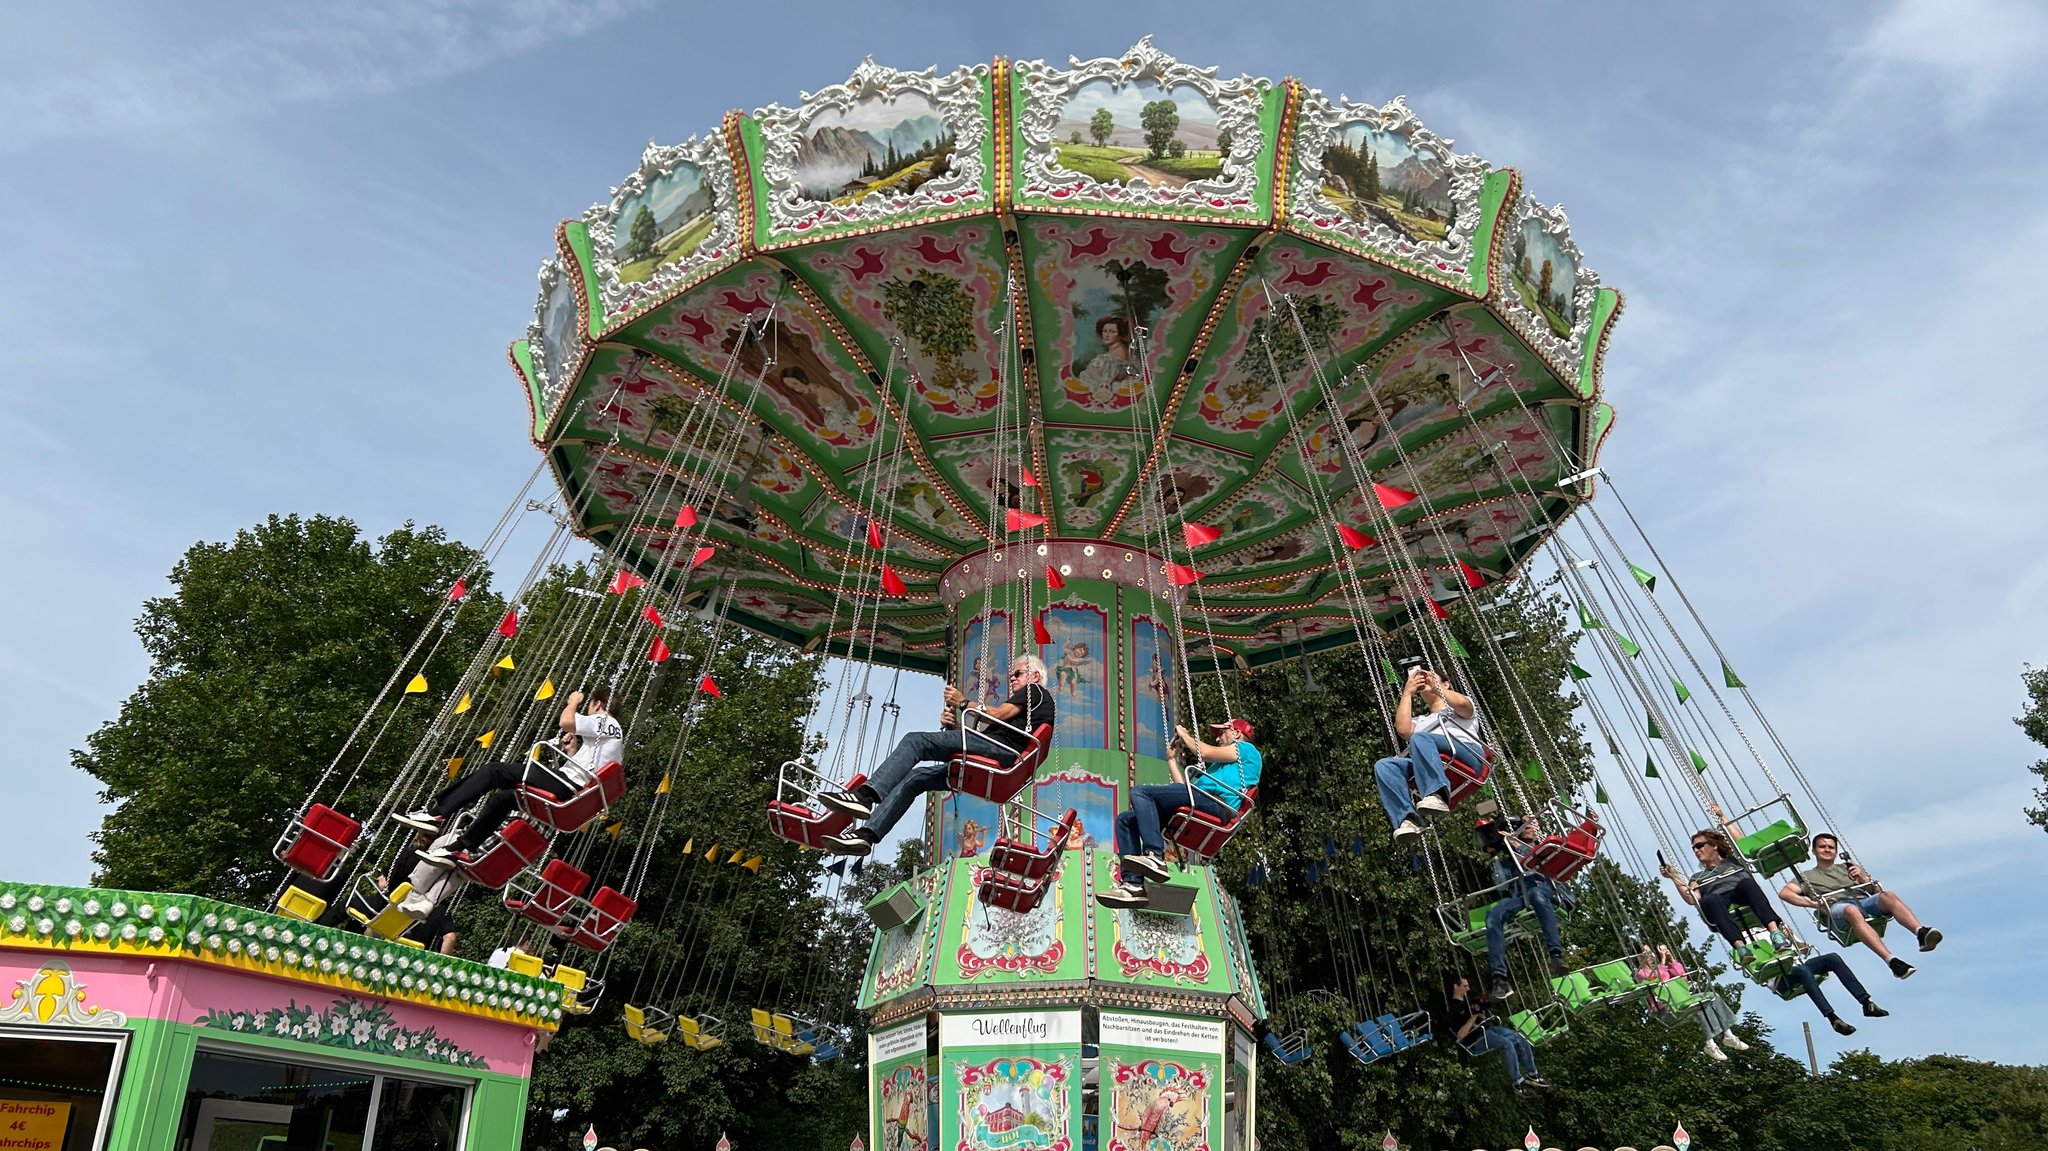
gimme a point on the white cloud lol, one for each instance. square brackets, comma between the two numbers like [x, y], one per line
[1973, 51]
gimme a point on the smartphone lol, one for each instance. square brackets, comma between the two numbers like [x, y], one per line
[1661, 861]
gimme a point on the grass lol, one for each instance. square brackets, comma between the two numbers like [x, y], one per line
[1417, 227]
[1551, 316]
[910, 174]
[1096, 163]
[1192, 166]
[672, 247]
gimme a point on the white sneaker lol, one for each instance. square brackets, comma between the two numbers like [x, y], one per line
[1409, 829]
[421, 820]
[1715, 1053]
[1732, 1041]
[1432, 805]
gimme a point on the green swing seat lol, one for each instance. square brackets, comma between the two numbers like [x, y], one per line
[1777, 846]
[1539, 1025]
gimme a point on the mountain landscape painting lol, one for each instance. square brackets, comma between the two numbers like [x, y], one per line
[663, 224]
[1377, 176]
[881, 144]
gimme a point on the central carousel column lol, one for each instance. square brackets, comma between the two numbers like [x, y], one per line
[1068, 1026]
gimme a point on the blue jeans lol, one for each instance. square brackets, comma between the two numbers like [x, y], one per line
[1807, 976]
[1513, 1047]
[1424, 763]
[1139, 830]
[1530, 891]
[918, 765]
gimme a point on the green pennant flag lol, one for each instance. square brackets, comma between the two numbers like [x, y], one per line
[1647, 579]
[1534, 772]
[1654, 732]
[1683, 693]
[1614, 749]
[1578, 672]
[1650, 767]
[1458, 649]
[1586, 619]
[1628, 646]
[1393, 677]
[1699, 762]
[1728, 673]
[1600, 794]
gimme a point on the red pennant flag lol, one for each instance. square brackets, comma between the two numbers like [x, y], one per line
[1471, 574]
[509, 626]
[1038, 631]
[703, 553]
[1179, 575]
[460, 589]
[709, 688]
[625, 581]
[874, 534]
[1353, 538]
[893, 583]
[687, 517]
[1199, 534]
[1391, 497]
[1053, 579]
[659, 652]
[652, 616]
[1436, 609]
[1029, 481]
[1021, 521]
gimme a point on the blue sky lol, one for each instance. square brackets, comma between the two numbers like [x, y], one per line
[267, 259]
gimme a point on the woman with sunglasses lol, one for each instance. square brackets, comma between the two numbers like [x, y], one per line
[1722, 881]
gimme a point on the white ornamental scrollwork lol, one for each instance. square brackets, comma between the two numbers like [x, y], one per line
[956, 100]
[555, 338]
[607, 223]
[1531, 220]
[53, 997]
[1237, 102]
[1319, 125]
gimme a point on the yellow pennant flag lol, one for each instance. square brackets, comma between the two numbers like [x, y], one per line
[464, 705]
[454, 766]
[662, 789]
[503, 664]
[753, 865]
[737, 854]
[418, 685]
[711, 852]
[690, 846]
[613, 830]
[547, 690]
[484, 740]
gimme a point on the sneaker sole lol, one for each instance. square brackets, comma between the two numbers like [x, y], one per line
[417, 824]
[1148, 867]
[1906, 974]
[865, 848]
[1932, 941]
[856, 810]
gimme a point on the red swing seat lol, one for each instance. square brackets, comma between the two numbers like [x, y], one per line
[1563, 856]
[990, 778]
[1466, 780]
[804, 824]
[544, 898]
[1024, 859]
[1013, 892]
[1199, 833]
[609, 912]
[316, 842]
[576, 811]
[516, 847]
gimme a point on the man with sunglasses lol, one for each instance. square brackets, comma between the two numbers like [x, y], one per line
[918, 764]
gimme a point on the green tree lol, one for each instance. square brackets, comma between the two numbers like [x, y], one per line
[938, 316]
[2034, 721]
[1175, 149]
[1076, 137]
[1224, 139]
[1160, 119]
[265, 655]
[1141, 288]
[1100, 126]
[640, 241]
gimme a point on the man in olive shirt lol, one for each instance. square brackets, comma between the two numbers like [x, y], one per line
[1852, 900]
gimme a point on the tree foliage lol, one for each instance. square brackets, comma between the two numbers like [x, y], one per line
[1100, 126]
[1160, 119]
[2034, 721]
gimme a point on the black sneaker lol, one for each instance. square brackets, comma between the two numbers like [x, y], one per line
[847, 803]
[1536, 1081]
[1874, 1011]
[1901, 968]
[1841, 1025]
[1150, 866]
[1929, 938]
[1124, 895]
[1558, 966]
[852, 843]
[1503, 988]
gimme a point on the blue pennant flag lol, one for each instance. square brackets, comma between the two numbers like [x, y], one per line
[857, 865]
[837, 867]
[1358, 845]
[1329, 848]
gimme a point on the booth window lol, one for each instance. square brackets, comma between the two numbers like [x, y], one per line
[244, 1103]
[57, 1084]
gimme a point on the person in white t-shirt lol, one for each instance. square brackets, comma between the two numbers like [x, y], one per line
[589, 739]
[1449, 726]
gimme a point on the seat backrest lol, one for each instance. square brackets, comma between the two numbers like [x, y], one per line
[566, 878]
[524, 840]
[613, 904]
[324, 821]
[611, 781]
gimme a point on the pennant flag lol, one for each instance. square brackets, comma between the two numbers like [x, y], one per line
[1312, 872]
[509, 626]
[1199, 534]
[460, 589]
[1628, 646]
[1654, 732]
[1471, 574]
[504, 664]
[454, 767]
[1613, 749]
[689, 845]
[653, 615]
[1028, 480]
[1683, 693]
[1391, 497]
[462, 707]
[1533, 772]
[709, 688]
[659, 651]
[1728, 673]
[686, 516]
[1650, 767]
[837, 867]
[1053, 579]
[859, 865]
[1458, 649]
[547, 690]
[1329, 848]
[1577, 672]
[1436, 609]
[1353, 538]
[1699, 762]
[1255, 876]
[1647, 579]
[753, 865]
[1180, 575]
[418, 685]
[711, 852]
[485, 740]
[1038, 632]
[1358, 845]
[874, 534]
[737, 852]
[1586, 619]
[662, 787]
[1393, 677]
[1018, 521]
[1600, 794]
[892, 583]
[614, 829]
[625, 581]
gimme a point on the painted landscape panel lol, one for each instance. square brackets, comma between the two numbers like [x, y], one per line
[890, 144]
[1141, 132]
[1545, 276]
[1373, 175]
[663, 224]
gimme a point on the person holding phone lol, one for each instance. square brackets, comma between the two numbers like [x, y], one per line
[1851, 899]
[1449, 725]
[1478, 1034]
[1723, 881]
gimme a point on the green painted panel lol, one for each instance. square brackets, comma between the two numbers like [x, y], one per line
[1181, 952]
[1010, 1079]
[522, 358]
[988, 946]
[577, 235]
[1162, 1072]
[1606, 305]
[1493, 200]
[900, 960]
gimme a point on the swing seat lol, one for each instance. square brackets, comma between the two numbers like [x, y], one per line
[1775, 847]
[516, 847]
[298, 903]
[317, 841]
[1024, 859]
[648, 1025]
[576, 811]
[1680, 998]
[544, 897]
[1202, 835]
[1615, 983]
[778, 1032]
[1011, 893]
[608, 912]
[1764, 961]
[1576, 991]
[991, 778]
[1539, 1025]
[1291, 1049]
[579, 992]
[700, 1033]
[1843, 936]
[804, 824]
[523, 962]
[1466, 780]
[391, 921]
[1561, 857]
[1387, 1035]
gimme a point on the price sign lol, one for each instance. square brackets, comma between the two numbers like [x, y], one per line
[33, 1124]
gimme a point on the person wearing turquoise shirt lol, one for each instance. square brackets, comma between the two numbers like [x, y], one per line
[1230, 770]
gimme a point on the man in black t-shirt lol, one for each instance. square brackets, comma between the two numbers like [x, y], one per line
[918, 764]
